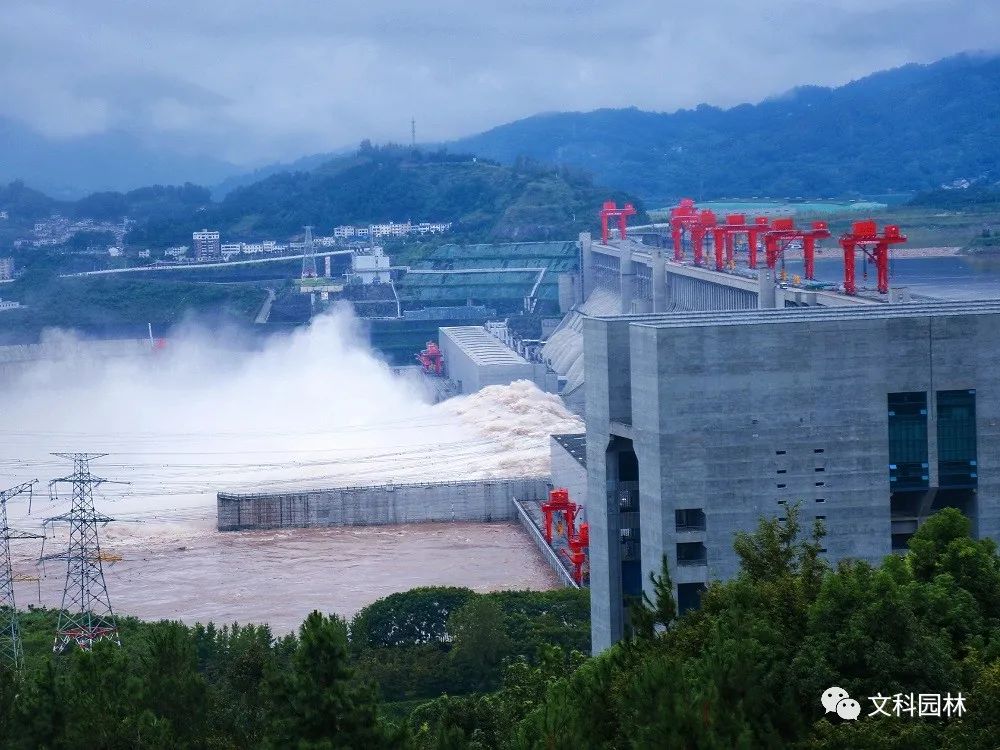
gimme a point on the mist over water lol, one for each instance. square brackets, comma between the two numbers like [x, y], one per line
[314, 408]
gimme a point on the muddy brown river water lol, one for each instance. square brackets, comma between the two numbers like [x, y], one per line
[278, 577]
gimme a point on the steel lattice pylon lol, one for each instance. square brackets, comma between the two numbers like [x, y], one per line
[86, 615]
[10, 635]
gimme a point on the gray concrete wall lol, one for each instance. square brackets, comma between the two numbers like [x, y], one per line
[569, 291]
[462, 368]
[471, 375]
[742, 420]
[478, 500]
[568, 472]
[548, 554]
[689, 293]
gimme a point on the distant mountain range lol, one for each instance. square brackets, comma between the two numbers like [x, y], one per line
[68, 168]
[908, 129]
[899, 131]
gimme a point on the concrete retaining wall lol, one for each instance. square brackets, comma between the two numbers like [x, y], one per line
[697, 294]
[524, 517]
[478, 500]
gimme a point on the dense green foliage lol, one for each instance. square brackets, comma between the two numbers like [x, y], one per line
[429, 641]
[974, 197]
[912, 128]
[22, 202]
[748, 668]
[171, 686]
[505, 670]
[756, 657]
[142, 204]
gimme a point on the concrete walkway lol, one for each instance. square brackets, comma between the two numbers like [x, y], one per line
[265, 309]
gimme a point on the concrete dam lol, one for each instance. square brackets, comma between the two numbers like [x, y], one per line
[481, 500]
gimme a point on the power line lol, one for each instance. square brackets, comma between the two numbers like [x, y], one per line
[86, 615]
[308, 256]
[10, 635]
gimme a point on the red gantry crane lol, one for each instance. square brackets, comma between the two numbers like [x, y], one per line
[682, 217]
[724, 236]
[864, 236]
[777, 235]
[705, 224]
[611, 211]
[783, 232]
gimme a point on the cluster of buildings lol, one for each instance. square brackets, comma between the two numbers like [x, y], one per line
[392, 229]
[208, 245]
[6, 274]
[58, 230]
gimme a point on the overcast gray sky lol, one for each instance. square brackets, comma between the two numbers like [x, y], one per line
[259, 81]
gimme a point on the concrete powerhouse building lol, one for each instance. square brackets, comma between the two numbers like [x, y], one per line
[474, 358]
[699, 424]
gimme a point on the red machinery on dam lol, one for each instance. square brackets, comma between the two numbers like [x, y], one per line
[689, 226]
[431, 359]
[559, 515]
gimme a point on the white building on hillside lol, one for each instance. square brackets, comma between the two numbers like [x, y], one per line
[369, 267]
[206, 244]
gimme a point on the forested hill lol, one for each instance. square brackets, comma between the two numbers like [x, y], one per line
[483, 200]
[908, 129]
[521, 201]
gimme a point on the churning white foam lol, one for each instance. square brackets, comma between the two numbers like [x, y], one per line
[314, 408]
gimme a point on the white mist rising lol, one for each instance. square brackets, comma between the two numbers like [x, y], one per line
[311, 409]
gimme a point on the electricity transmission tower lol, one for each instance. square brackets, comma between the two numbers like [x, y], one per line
[309, 256]
[10, 635]
[86, 615]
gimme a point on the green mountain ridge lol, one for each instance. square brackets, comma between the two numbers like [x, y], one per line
[909, 129]
[483, 199]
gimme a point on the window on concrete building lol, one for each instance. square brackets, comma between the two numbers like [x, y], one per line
[692, 553]
[689, 519]
[958, 469]
[908, 441]
[909, 473]
[956, 433]
[623, 491]
[689, 596]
